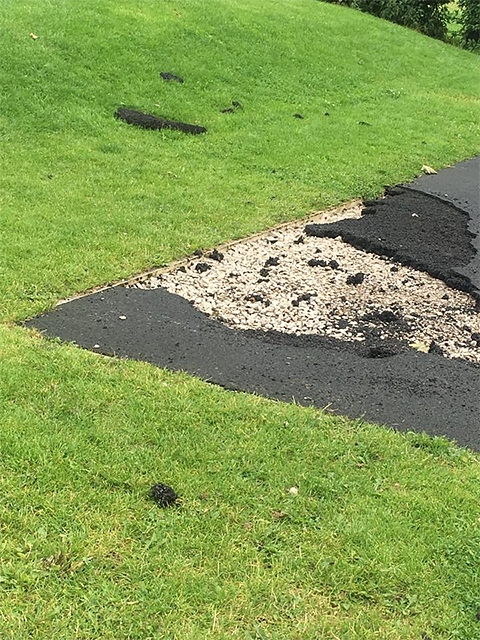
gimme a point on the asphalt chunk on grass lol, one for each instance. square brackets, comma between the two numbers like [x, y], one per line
[155, 123]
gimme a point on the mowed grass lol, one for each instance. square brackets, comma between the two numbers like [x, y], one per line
[382, 539]
[86, 199]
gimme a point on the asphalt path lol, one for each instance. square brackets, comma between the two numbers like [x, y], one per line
[459, 185]
[407, 391]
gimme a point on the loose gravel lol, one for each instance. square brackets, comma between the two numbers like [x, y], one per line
[287, 281]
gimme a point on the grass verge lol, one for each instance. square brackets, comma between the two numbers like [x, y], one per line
[380, 541]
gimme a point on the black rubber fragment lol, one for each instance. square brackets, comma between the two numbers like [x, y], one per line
[304, 297]
[149, 121]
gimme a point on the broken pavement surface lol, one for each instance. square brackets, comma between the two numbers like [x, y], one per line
[409, 390]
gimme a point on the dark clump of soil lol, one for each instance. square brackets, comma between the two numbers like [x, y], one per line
[413, 229]
[384, 316]
[201, 267]
[163, 495]
[236, 105]
[155, 123]
[170, 77]
[272, 262]
[216, 255]
[258, 297]
[315, 262]
[356, 278]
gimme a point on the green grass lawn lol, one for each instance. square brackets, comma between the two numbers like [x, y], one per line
[382, 539]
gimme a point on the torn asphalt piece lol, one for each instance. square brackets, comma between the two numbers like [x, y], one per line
[149, 121]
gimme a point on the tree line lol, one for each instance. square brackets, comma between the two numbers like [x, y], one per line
[431, 17]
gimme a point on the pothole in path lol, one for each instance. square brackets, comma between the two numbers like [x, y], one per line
[285, 281]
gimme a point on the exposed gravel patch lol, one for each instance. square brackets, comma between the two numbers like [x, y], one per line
[292, 283]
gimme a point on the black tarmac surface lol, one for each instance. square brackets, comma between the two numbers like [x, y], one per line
[414, 229]
[459, 185]
[407, 391]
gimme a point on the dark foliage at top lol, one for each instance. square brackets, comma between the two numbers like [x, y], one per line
[427, 16]
[470, 20]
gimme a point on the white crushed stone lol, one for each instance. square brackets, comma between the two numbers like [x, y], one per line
[266, 283]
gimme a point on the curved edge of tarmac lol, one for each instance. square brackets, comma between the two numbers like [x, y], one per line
[460, 186]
